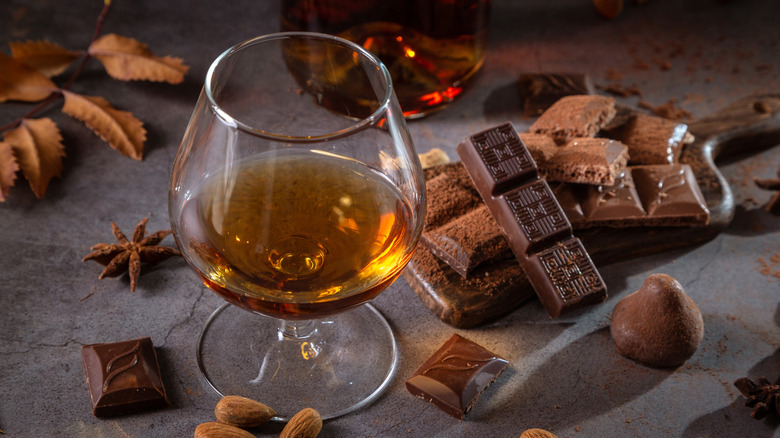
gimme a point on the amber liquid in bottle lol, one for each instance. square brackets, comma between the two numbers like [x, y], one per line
[431, 47]
[297, 235]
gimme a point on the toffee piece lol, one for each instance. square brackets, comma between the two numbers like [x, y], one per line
[454, 377]
[575, 116]
[123, 377]
[536, 229]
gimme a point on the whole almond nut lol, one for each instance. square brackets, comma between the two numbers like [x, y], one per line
[537, 433]
[213, 429]
[242, 412]
[305, 424]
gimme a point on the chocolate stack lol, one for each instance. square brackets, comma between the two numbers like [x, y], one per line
[607, 166]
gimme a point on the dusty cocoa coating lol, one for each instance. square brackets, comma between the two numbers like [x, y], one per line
[659, 325]
[575, 116]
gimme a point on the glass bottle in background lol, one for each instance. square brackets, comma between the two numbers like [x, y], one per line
[431, 47]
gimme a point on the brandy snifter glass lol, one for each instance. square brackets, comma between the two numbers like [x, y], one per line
[296, 195]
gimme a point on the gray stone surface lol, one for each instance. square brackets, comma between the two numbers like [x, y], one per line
[565, 374]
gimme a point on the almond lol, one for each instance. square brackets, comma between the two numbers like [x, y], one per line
[242, 412]
[213, 429]
[537, 433]
[305, 424]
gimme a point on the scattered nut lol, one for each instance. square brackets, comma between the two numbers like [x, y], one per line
[242, 412]
[305, 424]
[213, 429]
[762, 107]
[608, 8]
[537, 433]
[433, 157]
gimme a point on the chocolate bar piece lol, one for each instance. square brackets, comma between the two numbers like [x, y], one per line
[539, 91]
[587, 161]
[123, 377]
[651, 139]
[458, 227]
[648, 195]
[575, 116]
[456, 375]
[531, 219]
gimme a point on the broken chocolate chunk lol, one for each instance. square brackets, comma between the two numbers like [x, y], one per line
[454, 377]
[539, 91]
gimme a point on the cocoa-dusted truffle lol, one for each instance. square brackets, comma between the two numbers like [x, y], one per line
[658, 325]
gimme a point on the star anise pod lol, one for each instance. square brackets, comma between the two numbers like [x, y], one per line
[773, 206]
[128, 255]
[763, 396]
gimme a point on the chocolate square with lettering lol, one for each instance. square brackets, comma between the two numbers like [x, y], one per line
[456, 375]
[502, 154]
[567, 270]
[123, 377]
[531, 217]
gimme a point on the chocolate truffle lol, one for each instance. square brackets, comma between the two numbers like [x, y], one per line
[658, 325]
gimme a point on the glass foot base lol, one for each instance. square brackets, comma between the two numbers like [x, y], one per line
[335, 365]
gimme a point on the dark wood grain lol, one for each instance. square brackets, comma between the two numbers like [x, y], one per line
[748, 125]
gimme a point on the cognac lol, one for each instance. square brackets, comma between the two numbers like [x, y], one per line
[431, 47]
[297, 235]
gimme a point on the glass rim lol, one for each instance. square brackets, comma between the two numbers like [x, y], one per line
[384, 102]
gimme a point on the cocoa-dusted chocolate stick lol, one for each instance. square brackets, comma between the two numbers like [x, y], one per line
[538, 232]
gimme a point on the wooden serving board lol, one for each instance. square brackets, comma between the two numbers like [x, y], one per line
[748, 125]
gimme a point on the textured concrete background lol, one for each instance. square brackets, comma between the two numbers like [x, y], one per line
[565, 375]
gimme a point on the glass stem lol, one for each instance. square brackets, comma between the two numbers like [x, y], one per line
[297, 330]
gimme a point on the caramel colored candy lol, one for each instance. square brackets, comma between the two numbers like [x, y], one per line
[658, 325]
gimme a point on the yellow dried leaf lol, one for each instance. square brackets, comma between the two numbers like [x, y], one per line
[38, 147]
[20, 82]
[8, 168]
[127, 59]
[48, 58]
[120, 129]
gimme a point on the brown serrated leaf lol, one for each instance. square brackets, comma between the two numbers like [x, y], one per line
[48, 58]
[8, 169]
[20, 82]
[128, 59]
[39, 150]
[120, 129]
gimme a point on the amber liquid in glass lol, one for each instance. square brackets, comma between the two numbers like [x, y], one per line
[431, 47]
[297, 235]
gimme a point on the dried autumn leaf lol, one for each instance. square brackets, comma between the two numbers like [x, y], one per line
[21, 82]
[128, 59]
[120, 129]
[8, 168]
[48, 58]
[38, 147]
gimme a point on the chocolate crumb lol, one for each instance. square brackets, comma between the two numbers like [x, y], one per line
[762, 107]
[668, 110]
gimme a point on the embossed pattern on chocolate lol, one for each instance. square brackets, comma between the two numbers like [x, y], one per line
[123, 377]
[534, 223]
[456, 375]
[504, 157]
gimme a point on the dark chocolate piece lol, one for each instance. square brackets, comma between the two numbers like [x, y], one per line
[575, 116]
[454, 377]
[533, 222]
[123, 377]
[541, 90]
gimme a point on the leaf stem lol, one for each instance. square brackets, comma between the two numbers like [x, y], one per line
[56, 94]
